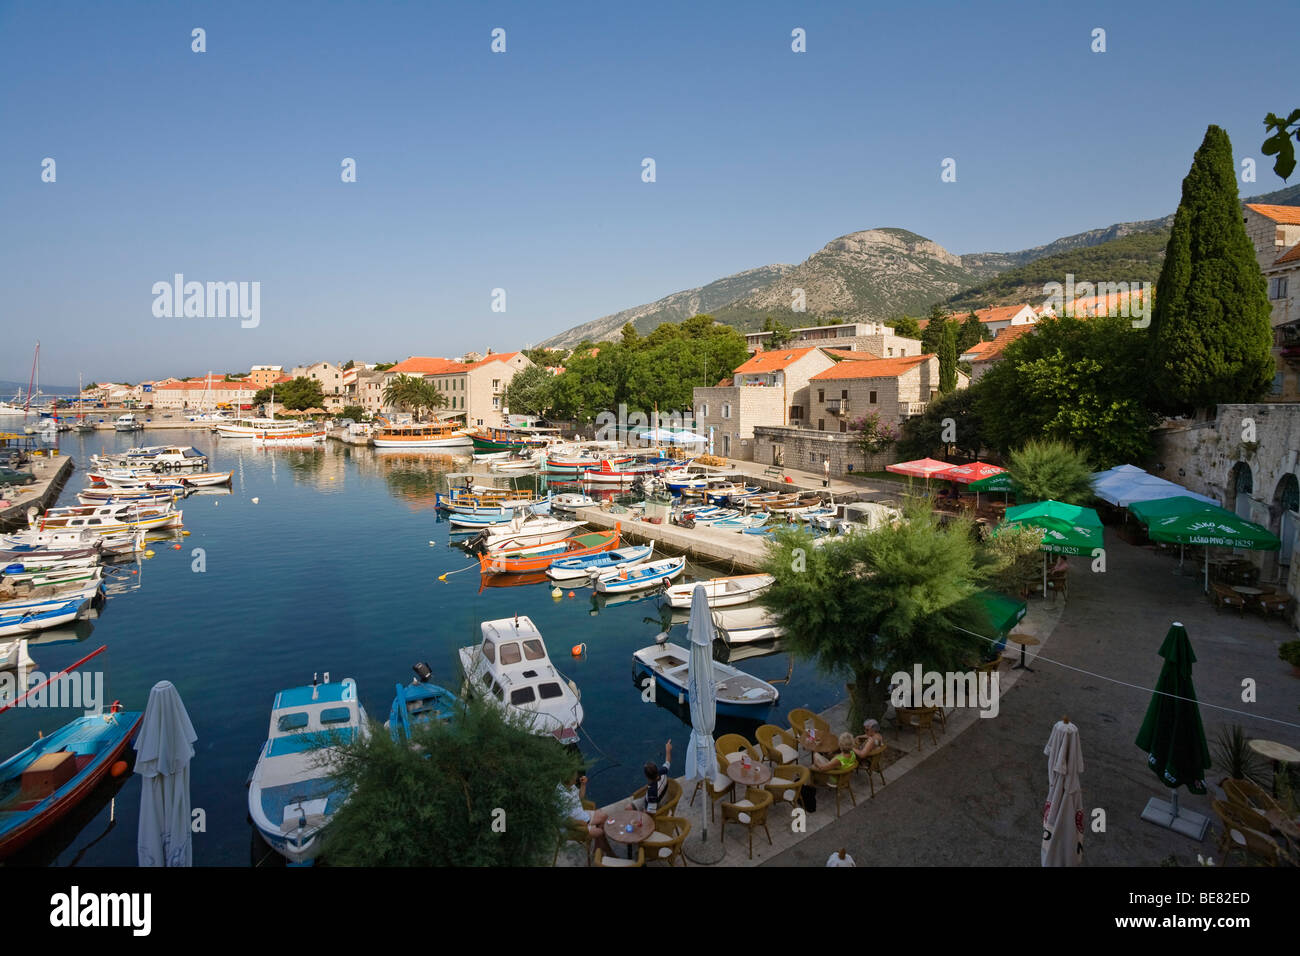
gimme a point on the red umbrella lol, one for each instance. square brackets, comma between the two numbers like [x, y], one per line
[921, 468]
[975, 471]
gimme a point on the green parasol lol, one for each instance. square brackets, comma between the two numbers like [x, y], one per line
[1212, 528]
[993, 616]
[1067, 529]
[1148, 511]
[1173, 737]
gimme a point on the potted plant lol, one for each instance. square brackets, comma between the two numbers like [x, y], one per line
[1232, 754]
[1290, 652]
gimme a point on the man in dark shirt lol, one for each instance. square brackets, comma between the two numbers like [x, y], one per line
[656, 782]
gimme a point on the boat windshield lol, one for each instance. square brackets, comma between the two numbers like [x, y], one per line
[490, 652]
[510, 654]
[534, 651]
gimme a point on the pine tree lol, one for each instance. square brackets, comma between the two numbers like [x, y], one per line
[972, 333]
[948, 359]
[932, 334]
[1211, 333]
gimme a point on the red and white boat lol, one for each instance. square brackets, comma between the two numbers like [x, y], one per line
[610, 475]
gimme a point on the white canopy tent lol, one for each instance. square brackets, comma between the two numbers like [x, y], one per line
[1125, 484]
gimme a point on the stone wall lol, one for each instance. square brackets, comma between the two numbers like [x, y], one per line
[733, 412]
[803, 449]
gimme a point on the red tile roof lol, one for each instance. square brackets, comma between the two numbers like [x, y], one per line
[1293, 255]
[1000, 313]
[422, 365]
[494, 357]
[1005, 337]
[871, 368]
[772, 361]
[1286, 215]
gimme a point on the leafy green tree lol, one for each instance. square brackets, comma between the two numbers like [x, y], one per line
[355, 412]
[439, 805]
[1211, 331]
[349, 365]
[1279, 144]
[384, 366]
[1072, 379]
[782, 334]
[928, 435]
[297, 394]
[972, 333]
[551, 358]
[867, 605]
[531, 391]
[948, 359]
[934, 331]
[1013, 555]
[907, 327]
[1051, 470]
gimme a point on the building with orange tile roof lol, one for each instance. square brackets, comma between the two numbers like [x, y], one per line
[875, 338]
[1275, 233]
[983, 355]
[474, 391]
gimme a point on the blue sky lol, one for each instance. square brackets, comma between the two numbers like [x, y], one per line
[522, 170]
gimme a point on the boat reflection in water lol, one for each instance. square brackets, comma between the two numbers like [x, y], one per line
[81, 826]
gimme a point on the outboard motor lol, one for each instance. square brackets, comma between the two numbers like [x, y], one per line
[423, 672]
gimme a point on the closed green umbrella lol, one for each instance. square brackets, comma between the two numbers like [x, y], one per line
[1173, 737]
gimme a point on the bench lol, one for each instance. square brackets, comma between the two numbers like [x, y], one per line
[774, 471]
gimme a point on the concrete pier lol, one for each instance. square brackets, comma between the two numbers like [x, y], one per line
[743, 552]
[51, 474]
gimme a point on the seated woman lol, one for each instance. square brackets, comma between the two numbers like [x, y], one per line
[574, 791]
[845, 758]
[869, 741]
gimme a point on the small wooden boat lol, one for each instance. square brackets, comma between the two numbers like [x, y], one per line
[580, 568]
[512, 669]
[746, 625]
[722, 592]
[526, 560]
[41, 784]
[642, 577]
[755, 520]
[39, 617]
[16, 577]
[291, 796]
[419, 702]
[738, 694]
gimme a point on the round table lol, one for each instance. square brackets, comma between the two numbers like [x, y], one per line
[616, 826]
[822, 742]
[1280, 754]
[1248, 592]
[1024, 640]
[755, 775]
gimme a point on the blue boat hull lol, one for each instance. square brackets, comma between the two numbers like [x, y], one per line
[724, 708]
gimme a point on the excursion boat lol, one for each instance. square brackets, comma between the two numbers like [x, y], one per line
[571, 501]
[512, 668]
[722, 592]
[608, 474]
[573, 568]
[153, 458]
[526, 530]
[41, 784]
[642, 577]
[419, 702]
[511, 561]
[738, 694]
[746, 625]
[291, 795]
[512, 438]
[254, 427]
[414, 435]
[127, 423]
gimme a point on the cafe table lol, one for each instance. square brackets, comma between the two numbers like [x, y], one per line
[616, 827]
[819, 742]
[751, 775]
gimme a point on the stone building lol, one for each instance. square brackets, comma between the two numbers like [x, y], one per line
[896, 389]
[209, 393]
[263, 375]
[475, 391]
[1275, 233]
[874, 337]
[330, 377]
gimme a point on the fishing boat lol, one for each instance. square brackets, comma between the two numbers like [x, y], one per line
[571, 501]
[527, 529]
[722, 592]
[493, 517]
[14, 656]
[515, 465]
[42, 783]
[512, 438]
[420, 435]
[112, 496]
[105, 519]
[746, 625]
[127, 423]
[738, 694]
[571, 464]
[16, 577]
[50, 556]
[40, 615]
[527, 560]
[419, 702]
[512, 668]
[610, 475]
[574, 568]
[291, 795]
[642, 577]
[742, 522]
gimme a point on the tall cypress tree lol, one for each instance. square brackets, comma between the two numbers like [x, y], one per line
[948, 359]
[932, 334]
[972, 333]
[1211, 334]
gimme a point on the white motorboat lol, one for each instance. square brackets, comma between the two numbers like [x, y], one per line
[152, 458]
[255, 427]
[737, 694]
[127, 423]
[571, 501]
[722, 592]
[512, 668]
[746, 625]
[291, 795]
[528, 529]
[642, 577]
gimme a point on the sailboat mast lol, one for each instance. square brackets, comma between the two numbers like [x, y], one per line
[32, 378]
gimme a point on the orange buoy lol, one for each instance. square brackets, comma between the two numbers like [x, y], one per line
[571, 594]
[176, 547]
[118, 768]
[578, 650]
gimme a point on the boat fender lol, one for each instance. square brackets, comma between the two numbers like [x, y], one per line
[574, 687]
[578, 650]
[681, 698]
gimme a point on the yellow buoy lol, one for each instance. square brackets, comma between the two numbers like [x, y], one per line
[557, 593]
[149, 553]
[185, 534]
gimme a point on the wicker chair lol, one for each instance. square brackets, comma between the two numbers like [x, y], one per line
[575, 831]
[779, 745]
[669, 802]
[717, 788]
[1241, 831]
[612, 861]
[1225, 596]
[665, 844]
[1273, 602]
[731, 747]
[1248, 794]
[838, 779]
[873, 764]
[799, 718]
[750, 812]
[941, 715]
[788, 783]
[917, 718]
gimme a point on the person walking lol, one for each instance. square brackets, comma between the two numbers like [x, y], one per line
[826, 472]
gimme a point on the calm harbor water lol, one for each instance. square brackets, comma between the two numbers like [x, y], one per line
[334, 569]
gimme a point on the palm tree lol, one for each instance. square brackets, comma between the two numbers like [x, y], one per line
[401, 391]
[426, 397]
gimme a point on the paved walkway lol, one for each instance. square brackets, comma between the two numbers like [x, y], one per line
[978, 800]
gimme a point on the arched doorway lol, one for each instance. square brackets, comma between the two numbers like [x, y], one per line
[1285, 515]
[1241, 485]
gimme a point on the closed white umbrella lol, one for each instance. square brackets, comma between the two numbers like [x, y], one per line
[164, 748]
[701, 688]
[1063, 814]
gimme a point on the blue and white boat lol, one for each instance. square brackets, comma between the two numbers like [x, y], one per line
[419, 702]
[42, 783]
[40, 615]
[741, 522]
[291, 795]
[573, 569]
[738, 694]
[639, 578]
